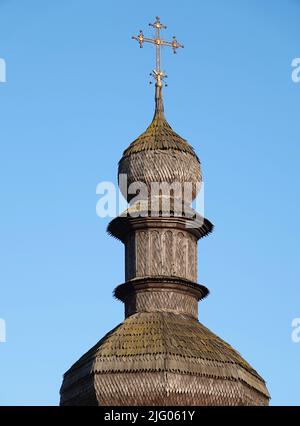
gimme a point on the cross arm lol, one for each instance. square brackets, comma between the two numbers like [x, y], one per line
[174, 44]
[142, 39]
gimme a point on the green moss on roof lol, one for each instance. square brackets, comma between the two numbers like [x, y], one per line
[159, 136]
[160, 341]
[157, 333]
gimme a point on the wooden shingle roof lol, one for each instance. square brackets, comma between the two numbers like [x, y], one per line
[159, 134]
[158, 341]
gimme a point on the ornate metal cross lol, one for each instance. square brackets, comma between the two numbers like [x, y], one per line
[157, 73]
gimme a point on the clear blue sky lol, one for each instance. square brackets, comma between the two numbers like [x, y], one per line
[76, 95]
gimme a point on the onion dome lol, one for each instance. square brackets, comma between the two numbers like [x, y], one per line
[160, 155]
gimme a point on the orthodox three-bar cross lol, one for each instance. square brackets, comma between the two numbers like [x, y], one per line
[157, 73]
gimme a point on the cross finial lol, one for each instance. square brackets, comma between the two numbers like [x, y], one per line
[157, 73]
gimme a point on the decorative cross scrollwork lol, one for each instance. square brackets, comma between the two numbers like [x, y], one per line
[157, 73]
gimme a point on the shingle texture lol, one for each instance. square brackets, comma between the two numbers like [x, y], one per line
[155, 348]
[161, 355]
[159, 136]
[160, 155]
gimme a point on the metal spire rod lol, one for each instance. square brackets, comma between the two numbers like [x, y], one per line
[157, 73]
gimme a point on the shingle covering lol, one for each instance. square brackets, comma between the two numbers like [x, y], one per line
[159, 135]
[160, 155]
[157, 342]
[161, 355]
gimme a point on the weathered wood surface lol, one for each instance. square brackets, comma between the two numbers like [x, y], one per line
[157, 252]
